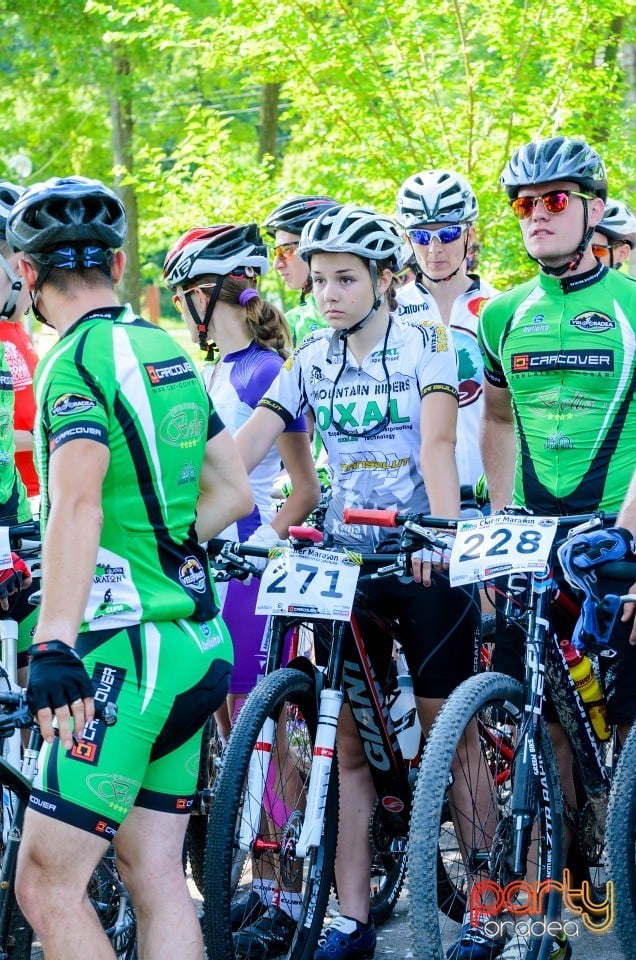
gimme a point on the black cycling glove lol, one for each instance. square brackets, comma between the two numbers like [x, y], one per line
[57, 676]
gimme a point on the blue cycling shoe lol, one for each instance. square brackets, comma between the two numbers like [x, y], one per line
[473, 944]
[346, 939]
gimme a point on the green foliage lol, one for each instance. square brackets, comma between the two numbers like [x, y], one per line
[371, 92]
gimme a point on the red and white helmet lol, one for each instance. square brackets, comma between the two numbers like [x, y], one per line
[221, 250]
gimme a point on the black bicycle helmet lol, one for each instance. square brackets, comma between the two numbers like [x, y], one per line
[66, 211]
[558, 158]
[292, 214]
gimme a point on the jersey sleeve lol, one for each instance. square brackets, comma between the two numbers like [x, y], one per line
[215, 424]
[488, 336]
[286, 395]
[436, 367]
[74, 406]
[263, 377]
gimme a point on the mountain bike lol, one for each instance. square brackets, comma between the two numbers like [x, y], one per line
[489, 757]
[277, 785]
[17, 770]
[620, 834]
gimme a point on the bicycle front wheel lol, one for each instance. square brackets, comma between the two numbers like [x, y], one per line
[271, 784]
[462, 819]
[620, 839]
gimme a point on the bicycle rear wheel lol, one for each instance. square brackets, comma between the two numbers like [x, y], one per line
[210, 759]
[620, 838]
[462, 813]
[286, 697]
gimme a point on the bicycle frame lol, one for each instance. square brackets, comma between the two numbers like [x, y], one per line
[349, 674]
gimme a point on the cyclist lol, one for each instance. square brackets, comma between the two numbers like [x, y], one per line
[615, 236]
[559, 420]
[214, 271]
[285, 224]
[438, 209]
[18, 347]
[128, 611]
[383, 394]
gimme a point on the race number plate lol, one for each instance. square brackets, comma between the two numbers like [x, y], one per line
[494, 546]
[310, 582]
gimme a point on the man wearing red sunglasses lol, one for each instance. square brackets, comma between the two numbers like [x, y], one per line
[559, 421]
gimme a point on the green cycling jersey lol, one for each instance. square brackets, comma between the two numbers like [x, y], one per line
[566, 350]
[118, 380]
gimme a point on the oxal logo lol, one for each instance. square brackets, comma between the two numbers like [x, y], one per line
[594, 361]
[169, 371]
[526, 901]
[184, 426]
[70, 404]
[592, 322]
[191, 575]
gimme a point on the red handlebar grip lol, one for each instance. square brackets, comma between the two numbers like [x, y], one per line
[306, 533]
[377, 518]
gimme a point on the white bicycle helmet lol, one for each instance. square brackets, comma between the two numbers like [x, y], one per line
[9, 195]
[292, 214]
[558, 158]
[618, 224]
[219, 250]
[435, 196]
[351, 229]
[66, 211]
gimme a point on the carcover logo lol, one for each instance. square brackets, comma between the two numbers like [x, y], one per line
[596, 361]
[169, 371]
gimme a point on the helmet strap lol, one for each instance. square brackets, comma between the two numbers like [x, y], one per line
[203, 323]
[16, 286]
[43, 274]
[578, 253]
[377, 301]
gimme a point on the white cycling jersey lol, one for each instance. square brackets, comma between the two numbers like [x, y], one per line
[382, 471]
[416, 303]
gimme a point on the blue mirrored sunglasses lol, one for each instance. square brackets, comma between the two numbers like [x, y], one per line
[444, 234]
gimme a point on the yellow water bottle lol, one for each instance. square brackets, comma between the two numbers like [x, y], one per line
[589, 689]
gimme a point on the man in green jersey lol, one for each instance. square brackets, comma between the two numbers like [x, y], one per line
[136, 468]
[558, 429]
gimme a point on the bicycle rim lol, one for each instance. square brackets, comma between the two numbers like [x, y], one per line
[469, 824]
[287, 697]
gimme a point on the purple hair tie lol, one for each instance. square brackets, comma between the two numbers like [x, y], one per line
[246, 295]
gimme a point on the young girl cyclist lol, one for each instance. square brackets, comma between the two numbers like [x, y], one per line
[383, 394]
[214, 271]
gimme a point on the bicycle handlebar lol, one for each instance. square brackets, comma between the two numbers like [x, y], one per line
[393, 518]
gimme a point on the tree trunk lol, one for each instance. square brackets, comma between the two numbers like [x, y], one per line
[121, 112]
[268, 120]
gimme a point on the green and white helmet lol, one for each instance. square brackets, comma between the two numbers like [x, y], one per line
[435, 196]
[351, 229]
[558, 158]
[618, 224]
